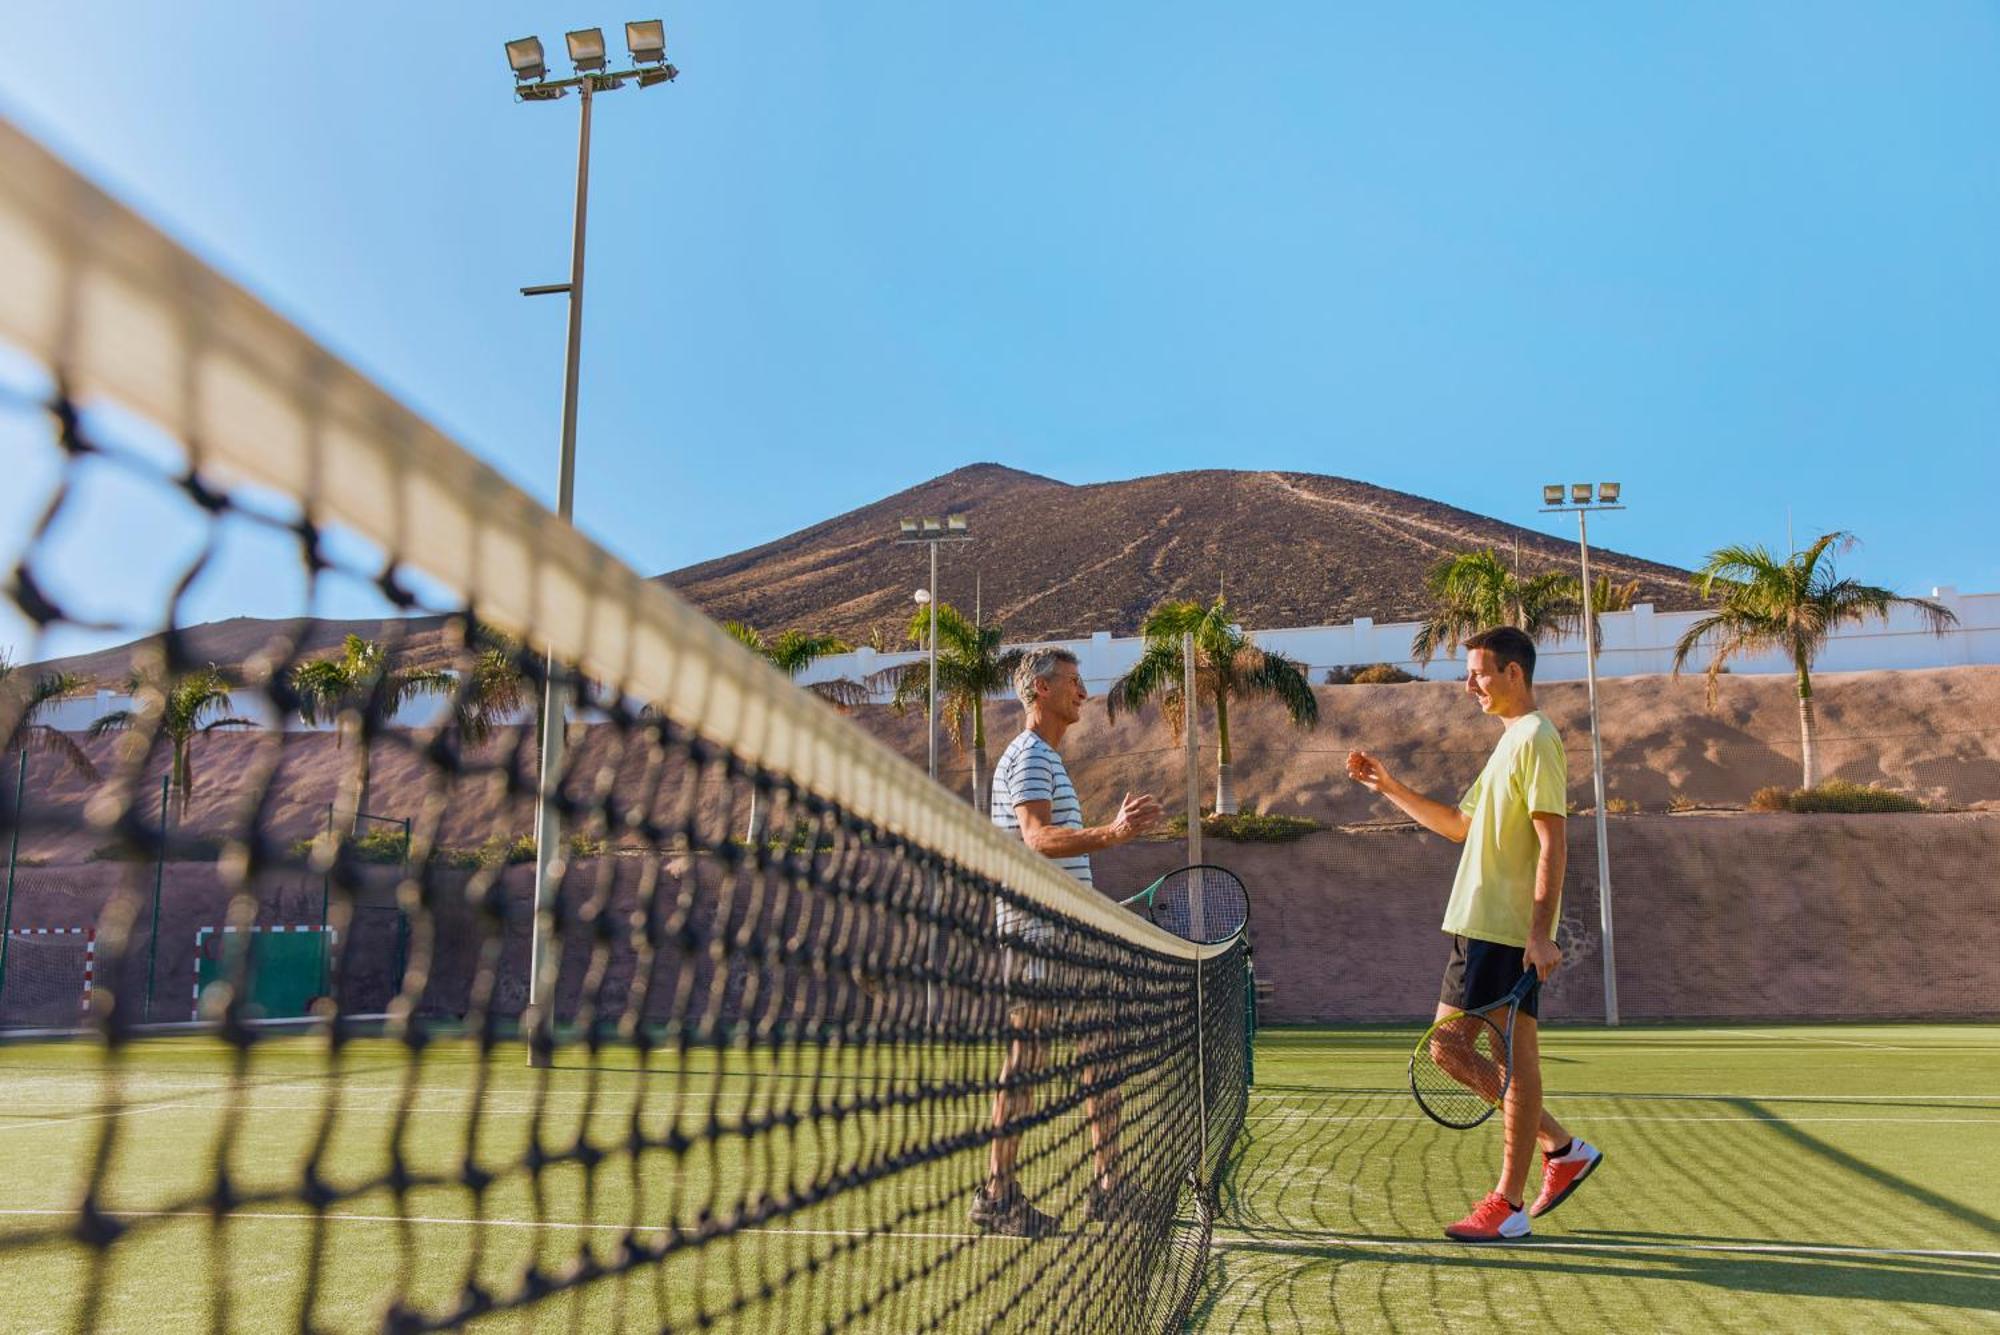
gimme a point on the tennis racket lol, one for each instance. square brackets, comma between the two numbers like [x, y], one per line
[1463, 1064]
[1205, 904]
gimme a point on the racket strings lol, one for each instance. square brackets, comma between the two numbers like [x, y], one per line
[1224, 905]
[1458, 1071]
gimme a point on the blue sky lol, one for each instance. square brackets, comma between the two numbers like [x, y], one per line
[1745, 259]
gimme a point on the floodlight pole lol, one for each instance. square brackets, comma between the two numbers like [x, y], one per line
[1596, 757]
[931, 532]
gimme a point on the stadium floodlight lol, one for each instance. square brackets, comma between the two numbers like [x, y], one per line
[647, 41]
[586, 49]
[658, 75]
[1586, 500]
[907, 526]
[956, 523]
[524, 57]
[933, 526]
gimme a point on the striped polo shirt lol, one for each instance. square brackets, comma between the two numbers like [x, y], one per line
[1030, 770]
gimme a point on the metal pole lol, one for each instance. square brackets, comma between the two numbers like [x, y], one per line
[1597, 775]
[931, 715]
[555, 695]
[325, 894]
[159, 882]
[1188, 717]
[1200, 1081]
[13, 859]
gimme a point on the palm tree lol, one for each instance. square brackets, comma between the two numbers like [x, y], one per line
[494, 687]
[341, 690]
[1474, 591]
[187, 705]
[28, 733]
[1227, 666]
[1790, 605]
[971, 667]
[791, 653]
[794, 651]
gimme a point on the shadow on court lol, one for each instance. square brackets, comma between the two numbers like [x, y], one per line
[1716, 1211]
[1381, 1283]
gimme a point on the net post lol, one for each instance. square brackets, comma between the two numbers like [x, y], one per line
[1200, 1076]
[13, 860]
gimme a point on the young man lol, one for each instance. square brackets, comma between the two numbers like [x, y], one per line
[1034, 799]
[1503, 911]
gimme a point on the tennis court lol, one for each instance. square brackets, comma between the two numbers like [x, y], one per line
[1824, 1178]
[1813, 1177]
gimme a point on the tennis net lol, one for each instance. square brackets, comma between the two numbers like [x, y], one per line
[775, 1030]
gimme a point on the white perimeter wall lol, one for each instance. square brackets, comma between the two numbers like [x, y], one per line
[1635, 643]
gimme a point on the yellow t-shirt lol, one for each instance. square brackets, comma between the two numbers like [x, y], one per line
[1493, 896]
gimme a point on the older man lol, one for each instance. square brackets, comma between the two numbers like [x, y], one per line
[1033, 798]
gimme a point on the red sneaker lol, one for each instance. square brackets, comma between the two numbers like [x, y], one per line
[1562, 1176]
[1492, 1220]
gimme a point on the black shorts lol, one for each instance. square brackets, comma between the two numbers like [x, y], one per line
[1480, 973]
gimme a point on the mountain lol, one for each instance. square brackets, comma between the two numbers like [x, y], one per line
[1056, 561]
[1049, 560]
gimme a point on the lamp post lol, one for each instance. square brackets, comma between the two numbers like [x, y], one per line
[1583, 504]
[931, 532]
[647, 42]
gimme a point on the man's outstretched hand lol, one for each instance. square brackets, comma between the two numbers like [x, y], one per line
[1367, 771]
[1136, 815]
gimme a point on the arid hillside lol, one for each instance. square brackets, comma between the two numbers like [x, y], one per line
[1056, 561]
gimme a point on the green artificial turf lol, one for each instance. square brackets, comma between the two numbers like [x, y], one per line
[1758, 1179]
[1826, 1178]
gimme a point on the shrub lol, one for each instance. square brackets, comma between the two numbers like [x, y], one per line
[1835, 795]
[1620, 806]
[1370, 674]
[1249, 827]
[1774, 798]
[1682, 803]
[388, 847]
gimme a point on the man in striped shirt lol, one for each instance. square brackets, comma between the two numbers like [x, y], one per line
[1034, 799]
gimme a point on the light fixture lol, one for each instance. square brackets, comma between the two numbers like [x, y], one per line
[664, 74]
[524, 56]
[932, 526]
[540, 92]
[647, 41]
[923, 597]
[1552, 495]
[586, 49]
[1579, 493]
[1607, 493]
[907, 525]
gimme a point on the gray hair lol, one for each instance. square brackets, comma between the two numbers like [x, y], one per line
[1038, 665]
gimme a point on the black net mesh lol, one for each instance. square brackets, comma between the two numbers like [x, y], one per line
[758, 1055]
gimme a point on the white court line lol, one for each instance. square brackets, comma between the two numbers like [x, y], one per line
[1290, 1242]
[556, 1225]
[1630, 1117]
[1570, 1096]
[1321, 1241]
